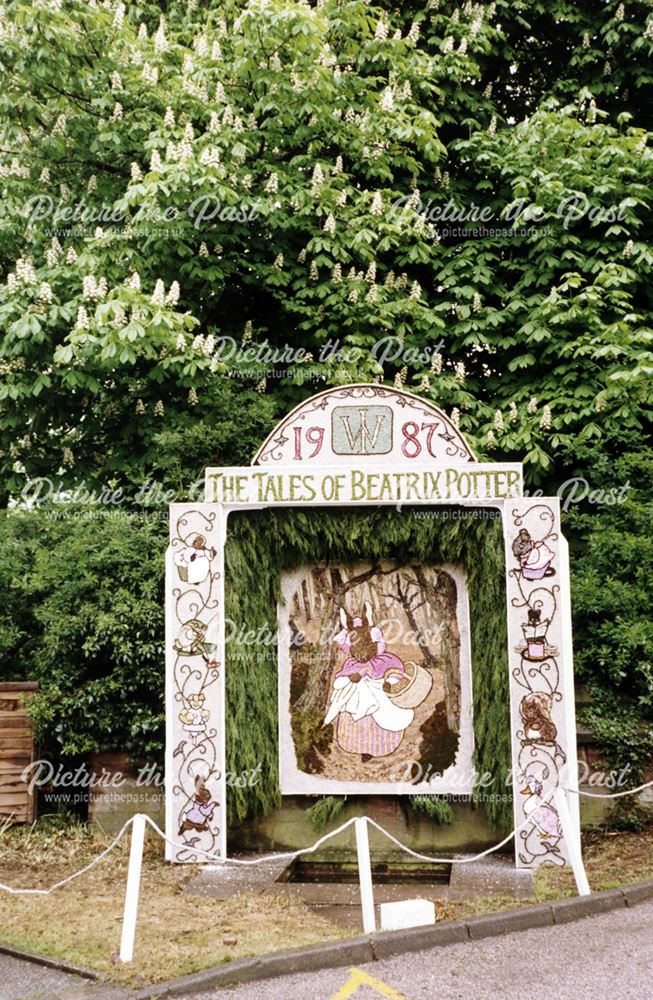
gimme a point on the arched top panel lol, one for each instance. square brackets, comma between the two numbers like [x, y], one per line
[353, 423]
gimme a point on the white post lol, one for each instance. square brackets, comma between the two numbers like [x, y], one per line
[133, 889]
[572, 841]
[365, 875]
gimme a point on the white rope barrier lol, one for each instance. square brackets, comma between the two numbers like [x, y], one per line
[139, 821]
[211, 855]
[250, 861]
[82, 871]
[455, 861]
[305, 850]
[611, 795]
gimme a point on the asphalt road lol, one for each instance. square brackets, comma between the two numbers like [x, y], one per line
[20, 980]
[607, 957]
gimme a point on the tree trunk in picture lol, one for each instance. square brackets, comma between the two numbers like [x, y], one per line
[410, 603]
[443, 596]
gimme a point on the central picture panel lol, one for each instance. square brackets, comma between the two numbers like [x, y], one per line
[375, 688]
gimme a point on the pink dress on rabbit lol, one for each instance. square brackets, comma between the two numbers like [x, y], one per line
[365, 735]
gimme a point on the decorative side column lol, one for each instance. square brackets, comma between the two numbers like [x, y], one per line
[195, 767]
[541, 676]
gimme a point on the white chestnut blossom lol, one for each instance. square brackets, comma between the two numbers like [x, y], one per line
[82, 322]
[159, 294]
[377, 204]
[387, 100]
[150, 74]
[381, 32]
[413, 34]
[52, 253]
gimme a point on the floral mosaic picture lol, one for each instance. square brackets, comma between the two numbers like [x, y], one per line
[374, 674]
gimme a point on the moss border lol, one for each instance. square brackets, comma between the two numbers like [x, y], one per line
[261, 544]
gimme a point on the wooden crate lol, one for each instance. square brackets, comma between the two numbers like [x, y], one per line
[16, 751]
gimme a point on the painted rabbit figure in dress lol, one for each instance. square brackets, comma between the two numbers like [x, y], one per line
[367, 722]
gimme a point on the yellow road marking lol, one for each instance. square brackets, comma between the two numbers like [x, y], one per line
[359, 978]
